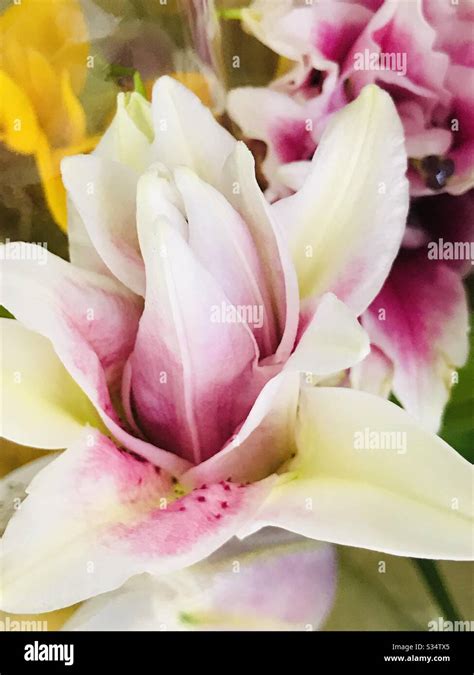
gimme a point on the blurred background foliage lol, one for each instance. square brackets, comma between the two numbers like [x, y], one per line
[155, 39]
[458, 421]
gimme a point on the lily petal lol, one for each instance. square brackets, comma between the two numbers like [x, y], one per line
[222, 243]
[414, 499]
[78, 311]
[103, 192]
[420, 321]
[97, 515]
[81, 249]
[347, 221]
[181, 122]
[42, 406]
[13, 487]
[333, 341]
[264, 441]
[157, 195]
[243, 586]
[128, 140]
[193, 377]
[240, 186]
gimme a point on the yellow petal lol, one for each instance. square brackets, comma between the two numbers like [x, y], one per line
[56, 29]
[18, 123]
[49, 162]
[48, 168]
[73, 113]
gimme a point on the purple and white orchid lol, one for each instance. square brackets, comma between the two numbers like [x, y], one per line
[184, 358]
[420, 52]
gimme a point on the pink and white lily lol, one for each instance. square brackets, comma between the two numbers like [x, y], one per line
[185, 414]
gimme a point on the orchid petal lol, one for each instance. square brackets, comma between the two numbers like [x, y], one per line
[294, 174]
[42, 405]
[374, 374]
[97, 515]
[420, 321]
[413, 498]
[282, 124]
[347, 221]
[282, 27]
[186, 133]
[244, 586]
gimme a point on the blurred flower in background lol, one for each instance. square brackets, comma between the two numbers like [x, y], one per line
[64, 61]
[420, 52]
[45, 51]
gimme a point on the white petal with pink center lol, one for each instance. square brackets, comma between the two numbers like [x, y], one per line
[98, 515]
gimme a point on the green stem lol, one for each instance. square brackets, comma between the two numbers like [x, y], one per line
[116, 70]
[230, 14]
[434, 582]
[138, 84]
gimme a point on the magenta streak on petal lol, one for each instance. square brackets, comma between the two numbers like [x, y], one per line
[462, 152]
[424, 304]
[334, 41]
[292, 141]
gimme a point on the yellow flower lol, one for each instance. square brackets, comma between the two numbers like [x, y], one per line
[43, 69]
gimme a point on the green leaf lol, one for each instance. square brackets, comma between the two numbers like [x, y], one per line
[5, 314]
[377, 591]
[458, 421]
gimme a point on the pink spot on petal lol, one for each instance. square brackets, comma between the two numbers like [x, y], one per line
[292, 141]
